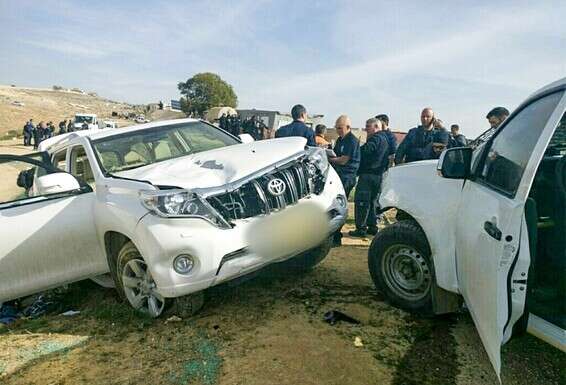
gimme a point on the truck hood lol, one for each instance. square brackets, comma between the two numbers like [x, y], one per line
[217, 167]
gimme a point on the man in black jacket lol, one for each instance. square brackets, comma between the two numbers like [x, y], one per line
[298, 127]
[412, 148]
[374, 162]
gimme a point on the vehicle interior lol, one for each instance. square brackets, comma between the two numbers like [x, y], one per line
[545, 213]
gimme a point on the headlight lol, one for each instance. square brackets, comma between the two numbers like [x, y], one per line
[181, 203]
[317, 156]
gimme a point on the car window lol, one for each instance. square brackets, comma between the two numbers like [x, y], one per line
[512, 148]
[80, 165]
[147, 146]
[60, 160]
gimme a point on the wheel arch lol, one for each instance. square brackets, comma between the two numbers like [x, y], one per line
[443, 300]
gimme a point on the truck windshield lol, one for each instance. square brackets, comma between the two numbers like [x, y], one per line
[143, 147]
[83, 119]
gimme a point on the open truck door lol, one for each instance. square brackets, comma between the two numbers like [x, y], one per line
[492, 242]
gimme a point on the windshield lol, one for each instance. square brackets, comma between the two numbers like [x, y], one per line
[140, 148]
[83, 119]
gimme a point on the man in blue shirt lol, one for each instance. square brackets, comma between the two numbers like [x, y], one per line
[347, 160]
[412, 148]
[298, 127]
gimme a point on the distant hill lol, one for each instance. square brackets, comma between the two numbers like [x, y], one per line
[18, 104]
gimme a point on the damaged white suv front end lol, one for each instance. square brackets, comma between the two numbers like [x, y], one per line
[169, 209]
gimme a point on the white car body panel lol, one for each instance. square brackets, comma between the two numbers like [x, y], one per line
[432, 201]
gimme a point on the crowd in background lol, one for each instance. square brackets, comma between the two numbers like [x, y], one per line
[35, 134]
[363, 166]
[236, 126]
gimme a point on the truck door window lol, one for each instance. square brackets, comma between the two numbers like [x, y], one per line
[512, 148]
[60, 160]
[80, 165]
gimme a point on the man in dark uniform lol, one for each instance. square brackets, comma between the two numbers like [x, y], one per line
[62, 127]
[374, 162]
[28, 132]
[347, 160]
[298, 127]
[70, 126]
[413, 146]
[391, 139]
[456, 139]
[222, 122]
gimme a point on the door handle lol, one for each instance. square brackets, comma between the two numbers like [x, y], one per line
[492, 229]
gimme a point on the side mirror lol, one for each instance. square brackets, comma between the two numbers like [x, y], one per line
[455, 163]
[246, 138]
[58, 182]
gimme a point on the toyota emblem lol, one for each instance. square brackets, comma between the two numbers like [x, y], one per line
[276, 187]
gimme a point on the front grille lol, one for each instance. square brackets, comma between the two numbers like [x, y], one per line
[300, 177]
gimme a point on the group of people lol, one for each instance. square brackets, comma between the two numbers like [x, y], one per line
[45, 130]
[251, 125]
[363, 166]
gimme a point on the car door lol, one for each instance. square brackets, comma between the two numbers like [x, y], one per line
[492, 251]
[47, 238]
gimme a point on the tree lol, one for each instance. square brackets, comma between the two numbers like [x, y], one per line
[204, 91]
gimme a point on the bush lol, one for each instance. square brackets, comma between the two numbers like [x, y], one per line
[57, 88]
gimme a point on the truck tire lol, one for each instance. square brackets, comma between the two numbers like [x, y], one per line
[309, 259]
[401, 268]
[135, 283]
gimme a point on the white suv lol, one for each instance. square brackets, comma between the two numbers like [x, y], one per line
[487, 224]
[164, 207]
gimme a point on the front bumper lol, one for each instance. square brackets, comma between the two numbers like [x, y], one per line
[219, 254]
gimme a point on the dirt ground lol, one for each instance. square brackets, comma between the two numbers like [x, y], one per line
[270, 330]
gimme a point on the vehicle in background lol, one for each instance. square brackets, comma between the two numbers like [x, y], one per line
[487, 224]
[90, 119]
[109, 124]
[141, 119]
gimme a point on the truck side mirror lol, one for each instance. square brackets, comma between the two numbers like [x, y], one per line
[455, 163]
[58, 182]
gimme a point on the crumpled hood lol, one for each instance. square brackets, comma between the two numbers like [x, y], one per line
[217, 167]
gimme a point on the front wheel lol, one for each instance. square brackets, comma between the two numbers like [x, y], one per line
[136, 284]
[400, 265]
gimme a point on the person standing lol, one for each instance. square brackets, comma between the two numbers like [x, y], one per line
[319, 133]
[298, 126]
[347, 160]
[412, 148]
[456, 139]
[391, 139]
[374, 162]
[38, 134]
[70, 126]
[62, 127]
[440, 140]
[28, 132]
[222, 122]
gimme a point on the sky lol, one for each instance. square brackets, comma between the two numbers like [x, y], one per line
[359, 58]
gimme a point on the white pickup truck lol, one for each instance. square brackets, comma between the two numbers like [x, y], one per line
[487, 224]
[167, 208]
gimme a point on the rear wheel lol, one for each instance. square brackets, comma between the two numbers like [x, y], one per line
[401, 268]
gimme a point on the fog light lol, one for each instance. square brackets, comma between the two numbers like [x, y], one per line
[341, 199]
[183, 264]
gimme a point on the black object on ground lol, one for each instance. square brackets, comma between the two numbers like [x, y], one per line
[334, 316]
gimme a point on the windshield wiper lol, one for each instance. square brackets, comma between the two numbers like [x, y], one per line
[131, 167]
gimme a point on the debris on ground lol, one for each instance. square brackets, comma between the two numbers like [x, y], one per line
[358, 342]
[334, 316]
[173, 319]
[70, 313]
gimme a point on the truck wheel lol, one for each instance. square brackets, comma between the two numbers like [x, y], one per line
[136, 284]
[309, 259]
[401, 268]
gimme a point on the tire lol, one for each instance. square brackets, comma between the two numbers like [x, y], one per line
[309, 259]
[401, 268]
[135, 284]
